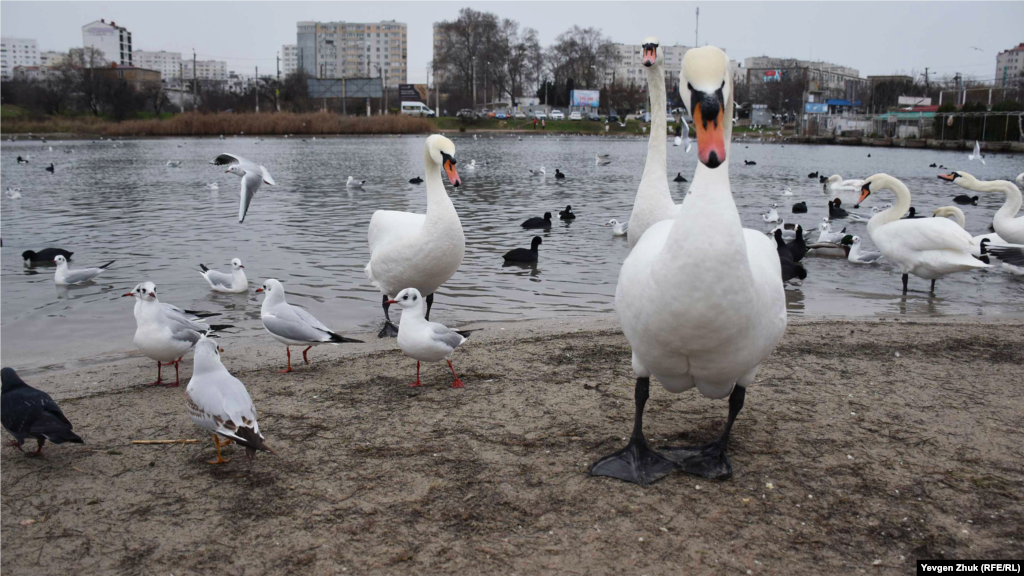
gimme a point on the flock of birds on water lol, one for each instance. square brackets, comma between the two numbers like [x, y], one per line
[666, 286]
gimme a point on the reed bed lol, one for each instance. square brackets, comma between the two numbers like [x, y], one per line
[198, 124]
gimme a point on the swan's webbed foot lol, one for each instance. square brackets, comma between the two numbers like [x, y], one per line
[636, 463]
[388, 331]
[708, 461]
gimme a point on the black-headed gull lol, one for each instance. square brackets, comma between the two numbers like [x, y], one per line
[26, 411]
[618, 228]
[353, 183]
[164, 332]
[234, 283]
[976, 154]
[253, 175]
[64, 276]
[423, 340]
[219, 403]
[858, 255]
[291, 325]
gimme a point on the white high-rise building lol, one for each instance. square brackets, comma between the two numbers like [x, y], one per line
[17, 52]
[353, 50]
[167, 63]
[289, 58]
[114, 41]
[52, 58]
[208, 69]
[1010, 67]
[628, 67]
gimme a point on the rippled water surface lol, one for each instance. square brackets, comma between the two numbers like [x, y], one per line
[125, 204]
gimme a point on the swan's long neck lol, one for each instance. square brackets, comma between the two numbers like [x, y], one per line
[898, 209]
[656, 146]
[1013, 196]
[438, 202]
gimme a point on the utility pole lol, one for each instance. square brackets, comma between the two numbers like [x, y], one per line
[474, 81]
[926, 85]
[257, 85]
[957, 78]
[278, 66]
[696, 30]
[195, 82]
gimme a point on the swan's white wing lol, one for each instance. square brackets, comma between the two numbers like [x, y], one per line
[250, 184]
[387, 225]
[924, 234]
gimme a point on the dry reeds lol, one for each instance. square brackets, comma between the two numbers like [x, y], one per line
[196, 124]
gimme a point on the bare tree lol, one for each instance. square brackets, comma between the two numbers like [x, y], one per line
[515, 58]
[462, 48]
[580, 54]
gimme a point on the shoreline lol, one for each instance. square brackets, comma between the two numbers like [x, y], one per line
[882, 440]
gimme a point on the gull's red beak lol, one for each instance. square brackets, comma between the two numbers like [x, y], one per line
[392, 302]
[240, 266]
[259, 290]
[226, 171]
[128, 294]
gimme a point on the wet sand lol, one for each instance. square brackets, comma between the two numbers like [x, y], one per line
[863, 446]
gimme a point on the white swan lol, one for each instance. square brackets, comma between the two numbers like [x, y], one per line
[419, 251]
[1009, 228]
[653, 201]
[541, 172]
[694, 321]
[1011, 255]
[846, 190]
[928, 248]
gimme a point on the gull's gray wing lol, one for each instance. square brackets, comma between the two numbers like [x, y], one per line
[180, 320]
[81, 275]
[294, 329]
[184, 334]
[219, 278]
[225, 159]
[445, 335]
[309, 319]
[250, 184]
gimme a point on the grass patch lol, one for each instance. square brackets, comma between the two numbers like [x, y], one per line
[11, 111]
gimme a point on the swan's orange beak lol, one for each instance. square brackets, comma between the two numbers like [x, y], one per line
[947, 177]
[710, 135]
[865, 191]
[392, 302]
[449, 169]
[650, 54]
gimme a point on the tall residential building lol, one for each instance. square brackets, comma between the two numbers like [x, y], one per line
[114, 41]
[208, 69]
[167, 63]
[52, 58]
[353, 50]
[289, 59]
[17, 52]
[1010, 67]
[822, 81]
[628, 67]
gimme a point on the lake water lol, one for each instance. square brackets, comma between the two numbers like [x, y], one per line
[125, 204]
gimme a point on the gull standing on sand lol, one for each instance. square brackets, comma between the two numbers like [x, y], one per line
[219, 403]
[419, 251]
[164, 332]
[425, 341]
[235, 283]
[291, 325]
[252, 174]
[64, 276]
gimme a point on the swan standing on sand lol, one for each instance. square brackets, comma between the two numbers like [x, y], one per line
[419, 251]
[694, 321]
[928, 248]
[653, 201]
[252, 174]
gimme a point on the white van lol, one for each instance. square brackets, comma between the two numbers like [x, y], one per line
[416, 109]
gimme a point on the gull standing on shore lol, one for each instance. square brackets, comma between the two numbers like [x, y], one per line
[423, 340]
[252, 174]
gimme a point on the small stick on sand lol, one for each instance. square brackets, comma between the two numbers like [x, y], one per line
[183, 441]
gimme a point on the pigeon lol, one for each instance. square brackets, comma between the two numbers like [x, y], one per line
[26, 411]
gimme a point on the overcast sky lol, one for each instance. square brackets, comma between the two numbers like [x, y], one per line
[873, 37]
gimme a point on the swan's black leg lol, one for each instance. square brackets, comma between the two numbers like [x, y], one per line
[430, 302]
[905, 278]
[637, 462]
[389, 330]
[710, 460]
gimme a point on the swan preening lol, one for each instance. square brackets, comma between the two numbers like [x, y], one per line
[694, 321]
[419, 251]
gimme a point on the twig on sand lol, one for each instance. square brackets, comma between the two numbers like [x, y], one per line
[182, 441]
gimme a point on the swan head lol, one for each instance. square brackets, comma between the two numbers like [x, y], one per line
[650, 46]
[408, 298]
[877, 181]
[947, 211]
[144, 291]
[707, 93]
[236, 263]
[442, 152]
[961, 179]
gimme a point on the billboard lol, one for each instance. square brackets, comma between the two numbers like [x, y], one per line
[589, 98]
[412, 92]
[816, 108]
[344, 88]
[773, 76]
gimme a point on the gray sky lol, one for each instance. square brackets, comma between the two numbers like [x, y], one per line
[874, 37]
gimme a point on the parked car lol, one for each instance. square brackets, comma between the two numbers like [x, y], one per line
[465, 113]
[539, 114]
[593, 116]
[557, 115]
[645, 117]
[416, 109]
[520, 115]
[485, 113]
[613, 117]
[576, 115]
[501, 115]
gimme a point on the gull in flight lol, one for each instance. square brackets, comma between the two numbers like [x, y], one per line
[253, 175]
[976, 153]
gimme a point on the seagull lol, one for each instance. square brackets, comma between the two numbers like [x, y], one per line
[540, 172]
[976, 153]
[602, 160]
[858, 255]
[423, 340]
[292, 325]
[66, 277]
[253, 175]
[164, 332]
[219, 403]
[787, 192]
[26, 411]
[13, 193]
[213, 186]
[975, 48]
[353, 183]
[472, 165]
[826, 235]
[173, 163]
[235, 282]
[772, 215]
[618, 228]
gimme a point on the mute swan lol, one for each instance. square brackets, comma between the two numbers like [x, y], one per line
[540, 172]
[858, 255]
[846, 190]
[1011, 255]
[694, 321]
[1009, 228]
[618, 228]
[419, 251]
[653, 201]
[928, 248]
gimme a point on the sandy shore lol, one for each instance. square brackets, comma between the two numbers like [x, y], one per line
[882, 442]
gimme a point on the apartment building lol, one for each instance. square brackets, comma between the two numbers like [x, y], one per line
[115, 42]
[17, 52]
[628, 68]
[1010, 67]
[822, 81]
[167, 63]
[289, 58]
[354, 50]
[207, 69]
[52, 58]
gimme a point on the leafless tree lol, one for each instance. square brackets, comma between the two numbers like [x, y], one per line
[515, 57]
